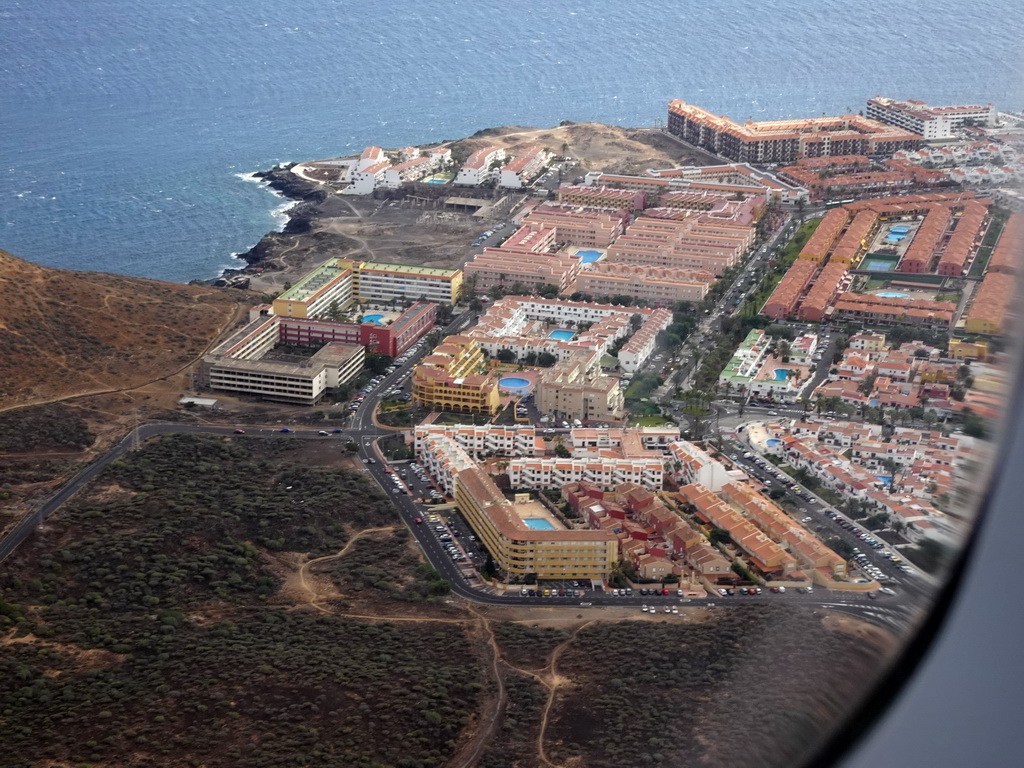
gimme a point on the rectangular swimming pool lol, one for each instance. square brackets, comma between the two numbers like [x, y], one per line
[538, 524]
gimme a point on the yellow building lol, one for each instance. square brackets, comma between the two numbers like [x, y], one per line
[518, 550]
[455, 377]
[332, 282]
[968, 350]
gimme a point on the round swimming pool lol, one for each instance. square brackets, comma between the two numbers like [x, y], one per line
[893, 295]
[773, 442]
[373, 318]
[781, 374]
[514, 383]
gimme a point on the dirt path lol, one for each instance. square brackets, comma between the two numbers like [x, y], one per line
[305, 584]
[492, 711]
[550, 678]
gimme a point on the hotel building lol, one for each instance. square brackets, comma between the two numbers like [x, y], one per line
[455, 377]
[238, 366]
[661, 286]
[784, 141]
[605, 473]
[927, 121]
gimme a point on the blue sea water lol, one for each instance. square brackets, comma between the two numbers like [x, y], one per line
[127, 128]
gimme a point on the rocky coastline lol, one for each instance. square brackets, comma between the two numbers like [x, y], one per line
[308, 198]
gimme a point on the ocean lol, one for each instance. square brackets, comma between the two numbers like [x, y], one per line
[128, 130]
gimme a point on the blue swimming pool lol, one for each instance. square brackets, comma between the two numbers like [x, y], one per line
[538, 524]
[373, 318]
[589, 256]
[436, 181]
[561, 335]
[893, 295]
[886, 479]
[773, 442]
[781, 374]
[900, 229]
[514, 383]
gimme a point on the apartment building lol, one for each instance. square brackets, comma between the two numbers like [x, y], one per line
[990, 306]
[928, 121]
[485, 440]
[578, 225]
[784, 141]
[495, 267]
[481, 167]
[575, 388]
[524, 167]
[332, 284]
[787, 294]
[764, 554]
[607, 472]
[687, 244]
[885, 310]
[603, 197]
[522, 553]
[379, 282]
[660, 286]
[690, 464]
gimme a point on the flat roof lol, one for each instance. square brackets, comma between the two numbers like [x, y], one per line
[378, 266]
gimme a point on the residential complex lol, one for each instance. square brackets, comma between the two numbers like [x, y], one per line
[507, 528]
[482, 166]
[927, 121]
[757, 370]
[524, 167]
[935, 234]
[994, 298]
[783, 141]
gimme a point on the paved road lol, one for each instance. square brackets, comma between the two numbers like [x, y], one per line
[894, 611]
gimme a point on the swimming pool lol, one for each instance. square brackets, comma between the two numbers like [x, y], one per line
[900, 229]
[893, 295]
[773, 442]
[538, 524]
[886, 479]
[781, 374]
[561, 335]
[436, 181]
[373, 318]
[589, 257]
[514, 383]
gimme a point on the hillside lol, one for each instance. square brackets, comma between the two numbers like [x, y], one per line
[598, 147]
[71, 333]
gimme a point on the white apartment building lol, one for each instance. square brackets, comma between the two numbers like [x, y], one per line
[524, 168]
[928, 121]
[689, 464]
[481, 441]
[443, 458]
[539, 473]
[477, 169]
[365, 180]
